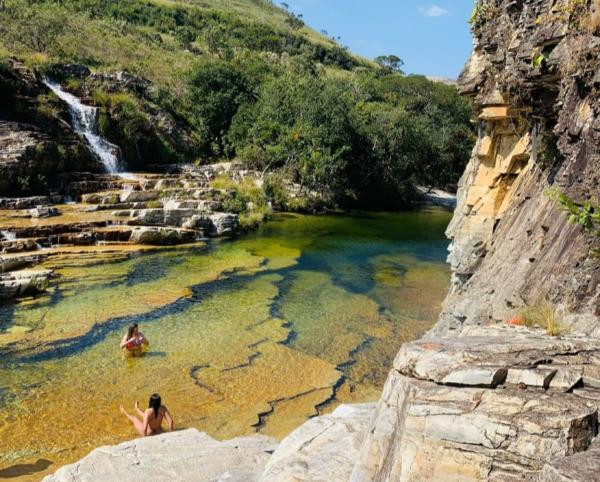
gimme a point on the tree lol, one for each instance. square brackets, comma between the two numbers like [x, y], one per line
[390, 63]
[216, 91]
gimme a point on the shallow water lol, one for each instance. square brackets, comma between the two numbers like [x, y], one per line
[256, 334]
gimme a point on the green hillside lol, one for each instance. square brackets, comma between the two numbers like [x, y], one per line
[246, 79]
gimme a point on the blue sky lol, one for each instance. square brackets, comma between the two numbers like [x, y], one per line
[432, 37]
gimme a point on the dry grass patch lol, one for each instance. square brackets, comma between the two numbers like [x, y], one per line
[543, 314]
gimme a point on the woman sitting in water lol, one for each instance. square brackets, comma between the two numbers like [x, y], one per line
[134, 340]
[151, 419]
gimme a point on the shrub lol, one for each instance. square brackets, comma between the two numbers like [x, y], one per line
[543, 314]
[251, 220]
[275, 190]
[245, 193]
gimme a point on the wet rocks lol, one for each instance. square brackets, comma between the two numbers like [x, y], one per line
[18, 262]
[186, 455]
[18, 245]
[79, 71]
[223, 224]
[23, 202]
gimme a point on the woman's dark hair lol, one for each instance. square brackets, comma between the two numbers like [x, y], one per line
[131, 329]
[154, 403]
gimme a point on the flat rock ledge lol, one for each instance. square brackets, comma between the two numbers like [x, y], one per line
[323, 449]
[23, 283]
[496, 404]
[187, 455]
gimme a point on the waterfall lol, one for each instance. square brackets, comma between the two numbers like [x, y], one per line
[84, 119]
[8, 236]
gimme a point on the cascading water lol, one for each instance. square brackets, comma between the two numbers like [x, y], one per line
[84, 119]
[8, 236]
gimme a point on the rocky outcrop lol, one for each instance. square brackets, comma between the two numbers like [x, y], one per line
[22, 283]
[187, 455]
[533, 82]
[493, 404]
[323, 449]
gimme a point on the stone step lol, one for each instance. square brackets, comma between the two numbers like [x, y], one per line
[19, 245]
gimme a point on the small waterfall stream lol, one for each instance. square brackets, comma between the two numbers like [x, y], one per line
[8, 236]
[84, 119]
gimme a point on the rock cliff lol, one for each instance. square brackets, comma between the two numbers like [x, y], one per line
[533, 77]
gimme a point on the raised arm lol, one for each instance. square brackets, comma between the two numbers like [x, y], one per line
[124, 341]
[144, 340]
[169, 420]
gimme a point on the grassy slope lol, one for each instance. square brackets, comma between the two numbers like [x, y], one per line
[108, 44]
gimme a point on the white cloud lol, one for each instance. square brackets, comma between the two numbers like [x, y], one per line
[434, 11]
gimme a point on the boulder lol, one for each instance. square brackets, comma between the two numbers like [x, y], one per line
[139, 196]
[323, 449]
[161, 217]
[161, 236]
[44, 212]
[186, 455]
[224, 224]
[23, 283]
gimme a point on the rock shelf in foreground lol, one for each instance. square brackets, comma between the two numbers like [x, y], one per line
[323, 449]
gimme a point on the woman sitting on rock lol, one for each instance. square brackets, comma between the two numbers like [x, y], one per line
[134, 340]
[151, 418]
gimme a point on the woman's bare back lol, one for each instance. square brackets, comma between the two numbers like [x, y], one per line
[155, 422]
[150, 424]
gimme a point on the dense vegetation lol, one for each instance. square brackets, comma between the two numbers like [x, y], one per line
[245, 79]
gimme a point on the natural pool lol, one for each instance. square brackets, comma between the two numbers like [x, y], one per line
[255, 334]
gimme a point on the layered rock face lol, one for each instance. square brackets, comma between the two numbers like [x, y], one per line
[496, 404]
[533, 79]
